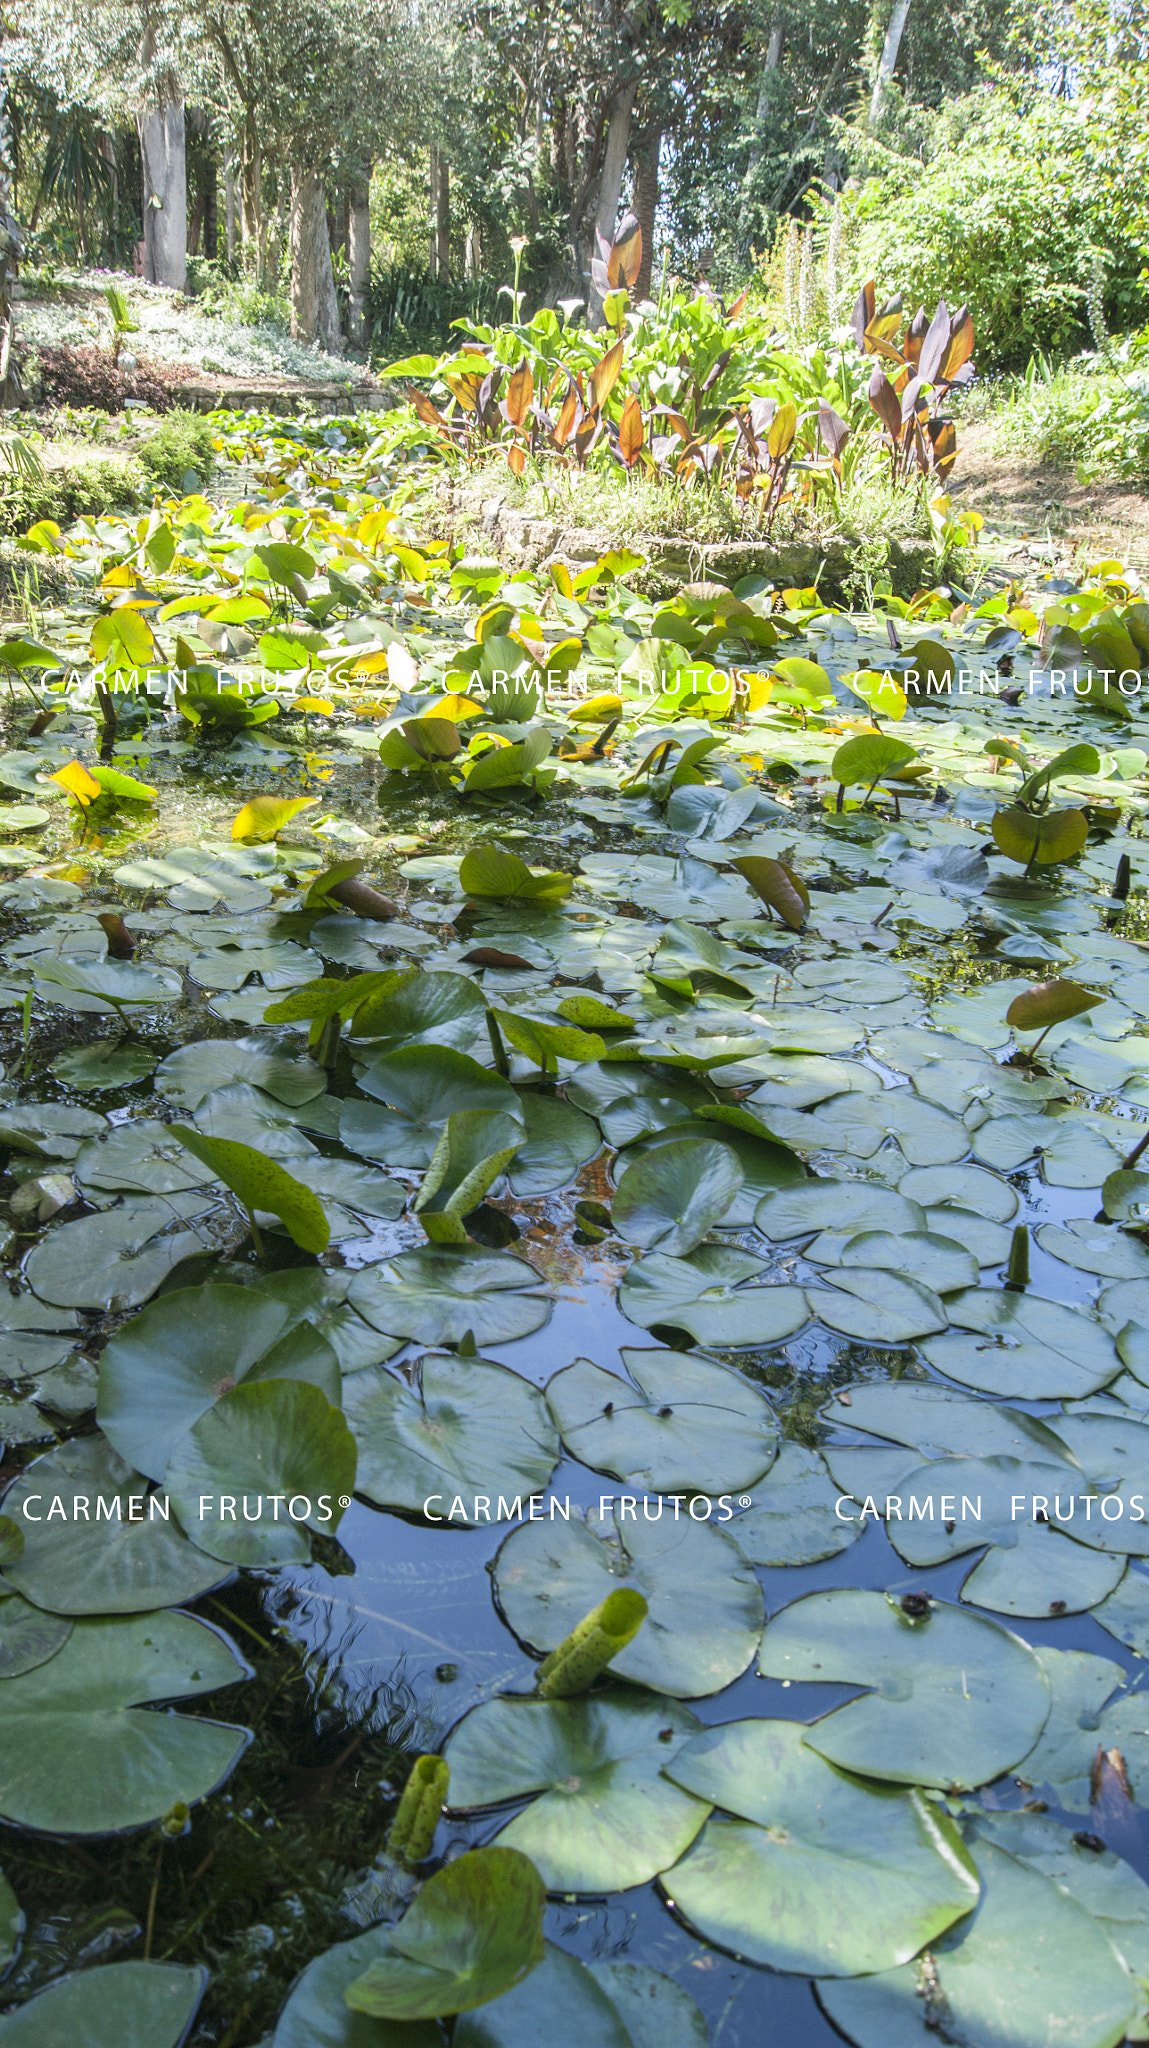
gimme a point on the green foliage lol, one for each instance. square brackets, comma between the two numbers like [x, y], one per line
[182, 442]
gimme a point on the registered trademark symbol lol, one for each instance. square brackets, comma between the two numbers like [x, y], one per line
[345, 1501]
[744, 1500]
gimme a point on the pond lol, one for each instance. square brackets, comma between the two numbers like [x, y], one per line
[515, 1090]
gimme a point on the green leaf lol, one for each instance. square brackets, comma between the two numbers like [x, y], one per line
[123, 640]
[263, 1440]
[451, 1429]
[670, 1198]
[705, 1605]
[475, 1147]
[261, 1183]
[168, 1366]
[117, 1259]
[422, 1088]
[526, 2015]
[507, 767]
[317, 2016]
[436, 1294]
[1050, 1002]
[703, 1295]
[1041, 839]
[282, 560]
[681, 1424]
[28, 1637]
[82, 1759]
[1032, 1965]
[839, 1205]
[956, 1700]
[815, 1872]
[792, 1520]
[493, 871]
[1023, 1348]
[868, 756]
[547, 1043]
[121, 2005]
[326, 998]
[778, 886]
[473, 1931]
[557, 1140]
[604, 1817]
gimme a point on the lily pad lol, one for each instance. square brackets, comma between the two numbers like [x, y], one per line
[602, 1817]
[878, 1306]
[705, 1609]
[82, 1759]
[941, 1422]
[317, 2016]
[525, 2017]
[106, 1064]
[559, 1139]
[703, 1295]
[194, 1071]
[28, 1637]
[435, 1294]
[837, 1205]
[122, 2005]
[956, 1699]
[1031, 1966]
[454, 1428]
[815, 1871]
[961, 1187]
[117, 1260]
[1023, 1347]
[473, 1932]
[118, 1553]
[142, 1157]
[167, 1367]
[792, 1520]
[679, 1423]
[670, 1198]
[417, 1090]
[281, 1455]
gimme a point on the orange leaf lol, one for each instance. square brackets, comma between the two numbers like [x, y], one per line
[631, 431]
[605, 374]
[520, 392]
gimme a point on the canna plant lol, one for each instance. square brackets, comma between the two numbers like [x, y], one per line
[932, 357]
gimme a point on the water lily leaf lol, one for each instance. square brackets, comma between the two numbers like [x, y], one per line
[474, 1931]
[558, 1140]
[455, 1428]
[1114, 1450]
[168, 1366]
[1030, 1965]
[1023, 1347]
[124, 1556]
[121, 2005]
[105, 986]
[286, 1458]
[426, 1009]
[243, 1115]
[1081, 1685]
[474, 1148]
[54, 1130]
[628, 1101]
[815, 1871]
[141, 1156]
[836, 1205]
[961, 1187]
[1039, 839]
[939, 1422]
[702, 1294]
[799, 1080]
[956, 1699]
[604, 1818]
[656, 2012]
[263, 817]
[317, 2016]
[860, 1124]
[868, 756]
[261, 1183]
[193, 1072]
[11, 1924]
[106, 1064]
[778, 886]
[421, 1087]
[939, 1264]
[524, 2017]
[436, 1293]
[28, 1637]
[117, 1260]
[494, 871]
[547, 1043]
[81, 1758]
[878, 1306]
[679, 1424]
[670, 1198]
[1095, 1248]
[792, 1520]
[1050, 1002]
[704, 1604]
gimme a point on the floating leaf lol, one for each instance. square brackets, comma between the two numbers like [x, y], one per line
[265, 1445]
[263, 817]
[1050, 1002]
[679, 1424]
[793, 1519]
[493, 871]
[473, 1932]
[670, 1198]
[453, 1429]
[435, 1294]
[121, 2005]
[703, 1295]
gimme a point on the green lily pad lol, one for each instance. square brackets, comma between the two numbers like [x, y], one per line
[473, 1932]
[27, 1342]
[792, 1520]
[167, 1367]
[940, 1422]
[1023, 1347]
[417, 1090]
[628, 1101]
[317, 2016]
[52, 1130]
[455, 1428]
[656, 2012]
[679, 1423]
[28, 1637]
[878, 1306]
[428, 1009]
[1031, 1966]
[670, 1198]
[284, 1458]
[838, 1205]
[705, 1608]
[602, 1817]
[559, 1139]
[1126, 1612]
[815, 1871]
[702, 1294]
[1113, 1449]
[191, 1073]
[939, 1264]
[141, 1157]
[116, 1260]
[12, 1925]
[119, 1554]
[82, 1759]
[956, 1699]
[1102, 1248]
[122, 2005]
[1081, 1686]
[987, 1242]
[525, 2017]
[435, 1294]
[107, 1064]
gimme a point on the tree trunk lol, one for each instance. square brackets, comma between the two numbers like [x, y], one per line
[443, 223]
[314, 307]
[359, 260]
[889, 58]
[433, 257]
[773, 59]
[229, 200]
[211, 209]
[473, 250]
[164, 165]
[646, 206]
[610, 179]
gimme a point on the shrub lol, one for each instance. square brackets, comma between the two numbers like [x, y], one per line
[86, 376]
[85, 490]
[1002, 217]
[181, 443]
